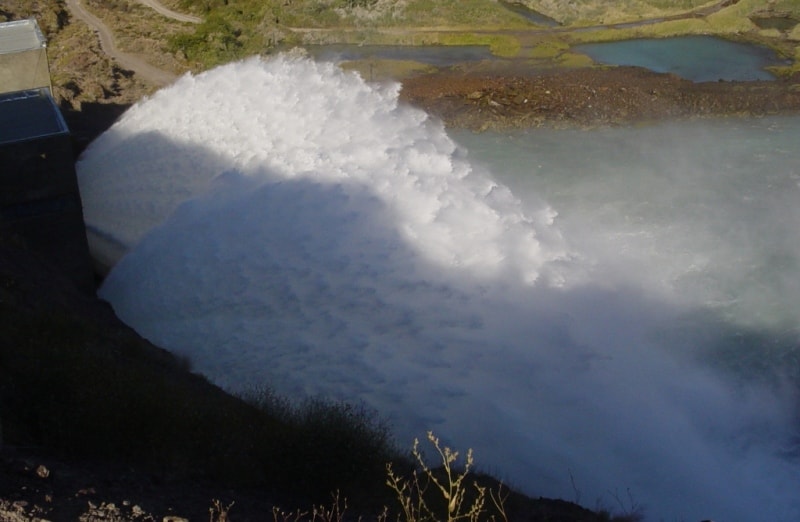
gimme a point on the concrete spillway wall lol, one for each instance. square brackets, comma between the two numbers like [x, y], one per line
[40, 205]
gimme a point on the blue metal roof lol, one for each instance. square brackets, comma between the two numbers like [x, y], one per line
[27, 115]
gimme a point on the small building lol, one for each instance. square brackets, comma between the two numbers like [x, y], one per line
[23, 57]
[40, 205]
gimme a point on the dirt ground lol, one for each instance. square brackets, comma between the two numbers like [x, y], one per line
[38, 487]
[589, 97]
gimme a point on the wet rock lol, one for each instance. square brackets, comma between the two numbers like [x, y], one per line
[42, 471]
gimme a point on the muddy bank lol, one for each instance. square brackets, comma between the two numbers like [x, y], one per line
[588, 97]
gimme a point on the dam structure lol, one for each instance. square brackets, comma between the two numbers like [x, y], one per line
[40, 205]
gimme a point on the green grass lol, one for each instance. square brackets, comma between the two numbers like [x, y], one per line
[378, 70]
[446, 13]
[589, 12]
[501, 45]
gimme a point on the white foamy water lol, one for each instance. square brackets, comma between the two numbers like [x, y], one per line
[289, 224]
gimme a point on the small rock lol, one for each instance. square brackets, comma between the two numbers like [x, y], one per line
[42, 471]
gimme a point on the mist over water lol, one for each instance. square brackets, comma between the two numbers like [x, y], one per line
[619, 306]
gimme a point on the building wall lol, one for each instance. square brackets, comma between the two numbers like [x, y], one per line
[40, 205]
[24, 70]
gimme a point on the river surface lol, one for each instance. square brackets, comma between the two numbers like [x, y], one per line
[696, 58]
[600, 312]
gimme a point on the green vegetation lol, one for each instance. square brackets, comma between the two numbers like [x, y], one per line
[501, 45]
[51, 15]
[379, 70]
[590, 12]
[329, 445]
[214, 41]
[229, 31]
[455, 13]
[235, 28]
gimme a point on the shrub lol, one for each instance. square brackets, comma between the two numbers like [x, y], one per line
[442, 493]
[328, 446]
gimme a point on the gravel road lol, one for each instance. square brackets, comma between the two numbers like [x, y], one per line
[144, 70]
[153, 4]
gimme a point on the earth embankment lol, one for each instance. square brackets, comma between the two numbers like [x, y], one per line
[588, 97]
[147, 72]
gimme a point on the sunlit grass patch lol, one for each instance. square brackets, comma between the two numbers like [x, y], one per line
[426, 13]
[379, 70]
[501, 45]
[575, 60]
[545, 50]
[590, 12]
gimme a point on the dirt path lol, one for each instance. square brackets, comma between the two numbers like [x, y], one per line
[698, 13]
[144, 70]
[159, 8]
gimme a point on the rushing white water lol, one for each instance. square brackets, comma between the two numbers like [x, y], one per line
[290, 224]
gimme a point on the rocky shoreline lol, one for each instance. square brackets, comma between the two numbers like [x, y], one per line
[589, 97]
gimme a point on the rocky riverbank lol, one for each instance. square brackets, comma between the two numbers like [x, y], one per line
[588, 97]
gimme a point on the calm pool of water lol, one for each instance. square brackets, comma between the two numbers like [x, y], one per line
[696, 58]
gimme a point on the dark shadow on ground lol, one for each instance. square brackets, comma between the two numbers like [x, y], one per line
[91, 120]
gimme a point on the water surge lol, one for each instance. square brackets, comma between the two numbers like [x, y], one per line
[288, 223]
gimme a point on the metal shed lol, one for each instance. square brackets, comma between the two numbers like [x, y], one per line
[40, 204]
[23, 56]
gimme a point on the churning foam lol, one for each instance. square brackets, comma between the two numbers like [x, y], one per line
[292, 120]
[289, 223]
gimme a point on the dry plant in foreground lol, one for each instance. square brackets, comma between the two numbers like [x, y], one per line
[426, 493]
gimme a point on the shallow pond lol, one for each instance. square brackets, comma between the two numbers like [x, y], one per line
[696, 58]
